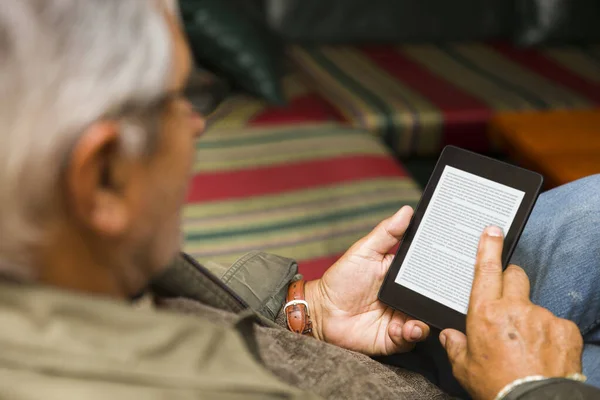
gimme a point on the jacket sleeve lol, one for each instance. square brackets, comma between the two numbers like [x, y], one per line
[260, 279]
[257, 280]
[554, 389]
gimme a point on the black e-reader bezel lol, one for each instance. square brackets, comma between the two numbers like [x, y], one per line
[420, 306]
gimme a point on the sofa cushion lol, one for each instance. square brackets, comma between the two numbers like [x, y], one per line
[419, 98]
[303, 192]
[303, 106]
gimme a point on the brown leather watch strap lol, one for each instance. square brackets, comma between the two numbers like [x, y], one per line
[296, 309]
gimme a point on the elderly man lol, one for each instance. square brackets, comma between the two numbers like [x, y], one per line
[96, 146]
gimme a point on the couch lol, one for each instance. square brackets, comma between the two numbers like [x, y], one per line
[306, 179]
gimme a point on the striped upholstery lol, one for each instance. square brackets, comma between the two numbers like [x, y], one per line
[422, 97]
[305, 192]
[304, 105]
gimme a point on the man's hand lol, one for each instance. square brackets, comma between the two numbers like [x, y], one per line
[508, 337]
[344, 305]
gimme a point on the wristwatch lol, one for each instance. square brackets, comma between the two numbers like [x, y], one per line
[296, 309]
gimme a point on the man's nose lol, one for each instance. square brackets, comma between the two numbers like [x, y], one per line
[199, 124]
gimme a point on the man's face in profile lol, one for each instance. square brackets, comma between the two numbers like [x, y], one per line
[134, 223]
[156, 234]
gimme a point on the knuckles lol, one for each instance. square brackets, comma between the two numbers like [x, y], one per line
[491, 311]
[516, 272]
[489, 265]
[570, 333]
[480, 309]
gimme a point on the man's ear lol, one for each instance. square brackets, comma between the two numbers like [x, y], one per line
[96, 179]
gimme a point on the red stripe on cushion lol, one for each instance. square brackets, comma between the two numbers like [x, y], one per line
[307, 108]
[315, 268]
[267, 180]
[465, 116]
[549, 69]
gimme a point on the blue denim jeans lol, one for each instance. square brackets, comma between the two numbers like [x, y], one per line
[560, 251]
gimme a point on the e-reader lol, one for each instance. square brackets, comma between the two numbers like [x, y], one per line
[431, 275]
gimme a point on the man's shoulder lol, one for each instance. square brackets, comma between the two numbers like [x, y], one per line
[58, 343]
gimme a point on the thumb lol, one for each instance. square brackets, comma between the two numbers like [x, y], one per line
[455, 344]
[389, 232]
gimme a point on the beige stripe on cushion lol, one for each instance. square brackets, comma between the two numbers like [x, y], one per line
[295, 150]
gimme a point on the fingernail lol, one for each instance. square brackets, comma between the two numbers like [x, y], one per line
[443, 339]
[494, 231]
[416, 333]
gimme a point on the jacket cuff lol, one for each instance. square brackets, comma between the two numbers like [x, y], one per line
[262, 280]
[553, 388]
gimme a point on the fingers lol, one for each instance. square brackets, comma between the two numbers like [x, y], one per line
[405, 333]
[396, 335]
[487, 283]
[415, 331]
[389, 232]
[455, 344]
[515, 284]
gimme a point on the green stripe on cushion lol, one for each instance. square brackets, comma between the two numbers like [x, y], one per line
[331, 243]
[297, 223]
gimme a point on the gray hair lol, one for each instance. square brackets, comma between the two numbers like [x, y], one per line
[63, 65]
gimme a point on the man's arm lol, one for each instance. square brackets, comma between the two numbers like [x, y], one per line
[343, 304]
